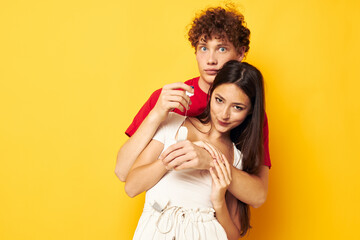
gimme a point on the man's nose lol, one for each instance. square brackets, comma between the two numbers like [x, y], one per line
[212, 58]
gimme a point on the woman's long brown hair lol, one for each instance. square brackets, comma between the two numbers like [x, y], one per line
[248, 136]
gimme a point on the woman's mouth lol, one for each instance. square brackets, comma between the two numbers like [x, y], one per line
[224, 124]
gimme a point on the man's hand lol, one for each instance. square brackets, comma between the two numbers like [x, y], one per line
[186, 155]
[173, 96]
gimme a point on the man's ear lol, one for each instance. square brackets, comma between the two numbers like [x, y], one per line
[241, 54]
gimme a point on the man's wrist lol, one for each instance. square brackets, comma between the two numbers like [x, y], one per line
[162, 165]
[155, 117]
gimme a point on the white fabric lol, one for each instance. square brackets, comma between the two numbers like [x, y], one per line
[179, 205]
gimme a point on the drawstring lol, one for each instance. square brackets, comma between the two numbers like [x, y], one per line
[179, 214]
[172, 218]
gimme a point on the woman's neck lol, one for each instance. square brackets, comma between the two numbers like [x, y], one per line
[214, 134]
[207, 132]
[198, 131]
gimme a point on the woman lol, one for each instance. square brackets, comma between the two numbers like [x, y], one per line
[193, 204]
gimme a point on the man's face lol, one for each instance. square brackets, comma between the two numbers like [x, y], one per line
[211, 55]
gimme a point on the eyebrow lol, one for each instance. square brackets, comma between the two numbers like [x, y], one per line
[236, 103]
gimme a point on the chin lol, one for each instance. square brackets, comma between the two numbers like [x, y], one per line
[222, 129]
[209, 79]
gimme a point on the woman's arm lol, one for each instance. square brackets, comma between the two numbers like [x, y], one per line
[221, 175]
[146, 171]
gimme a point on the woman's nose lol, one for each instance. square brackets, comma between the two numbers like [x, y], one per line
[225, 113]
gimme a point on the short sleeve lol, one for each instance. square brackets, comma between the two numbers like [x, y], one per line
[167, 130]
[161, 133]
[143, 112]
[267, 161]
[237, 158]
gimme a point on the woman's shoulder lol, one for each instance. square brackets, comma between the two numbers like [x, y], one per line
[237, 158]
[174, 118]
[173, 121]
[169, 127]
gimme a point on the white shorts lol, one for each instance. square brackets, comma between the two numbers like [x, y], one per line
[177, 223]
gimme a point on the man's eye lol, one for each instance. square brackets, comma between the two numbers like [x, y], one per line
[203, 49]
[222, 49]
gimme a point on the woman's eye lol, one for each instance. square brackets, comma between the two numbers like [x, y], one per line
[203, 49]
[219, 100]
[238, 108]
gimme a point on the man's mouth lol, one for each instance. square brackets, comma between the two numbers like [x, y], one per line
[211, 71]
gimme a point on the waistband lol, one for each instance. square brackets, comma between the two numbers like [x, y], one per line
[167, 217]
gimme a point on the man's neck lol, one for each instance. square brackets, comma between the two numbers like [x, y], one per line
[204, 86]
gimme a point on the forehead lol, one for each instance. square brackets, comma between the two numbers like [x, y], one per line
[218, 38]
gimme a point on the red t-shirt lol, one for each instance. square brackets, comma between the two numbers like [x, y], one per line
[198, 104]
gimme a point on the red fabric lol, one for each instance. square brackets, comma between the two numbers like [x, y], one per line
[267, 161]
[198, 104]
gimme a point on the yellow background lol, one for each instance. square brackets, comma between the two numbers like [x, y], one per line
[74, 73]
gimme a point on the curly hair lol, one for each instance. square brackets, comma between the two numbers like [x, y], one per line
[221, 23]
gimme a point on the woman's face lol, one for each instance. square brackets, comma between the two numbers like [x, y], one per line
[229, 107]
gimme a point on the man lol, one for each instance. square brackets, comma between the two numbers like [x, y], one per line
[218, 36]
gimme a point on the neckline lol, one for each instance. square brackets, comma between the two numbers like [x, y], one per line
[233, 144]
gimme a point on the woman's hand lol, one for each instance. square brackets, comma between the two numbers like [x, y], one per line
[221, 179]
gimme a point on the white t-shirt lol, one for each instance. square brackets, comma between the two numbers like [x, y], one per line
[189, 188]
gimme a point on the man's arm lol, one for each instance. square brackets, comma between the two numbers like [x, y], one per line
[169, 99]
[250, 189]
[132, 148]
[146, 171]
